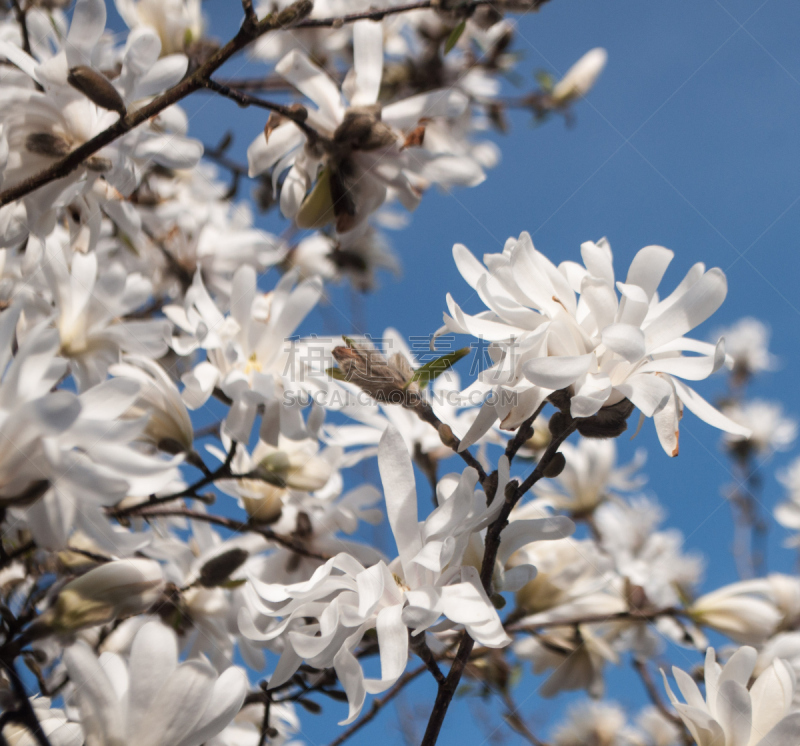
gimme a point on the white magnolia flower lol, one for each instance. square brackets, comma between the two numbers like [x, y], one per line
[426, 582]
[89, 463]
[787, 513]
[733, 713]
[573, 580]
[605, 353]
[590, 477]
[747, 345]
[653, 728]
[89, 308]
[151, 700]
[178, 23]
[581, 77]
[168, 423]
[276, 470]
[650, 559]
[372, 152]
[245, 730]
[42, 126]
[190, 225]
[597, 723]
[770, 430]
[109, 591]
[58, 728]
[250, 357]
[746, 611]
[784, 646]
[355, 256]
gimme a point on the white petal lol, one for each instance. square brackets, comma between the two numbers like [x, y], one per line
[314, 83]
[367, 61]
[397, 476]
[690, 310]
[702, 409]
[557, 372]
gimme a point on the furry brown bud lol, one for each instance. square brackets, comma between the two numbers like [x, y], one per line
[218, 569]
[46, 143]
[97, 88]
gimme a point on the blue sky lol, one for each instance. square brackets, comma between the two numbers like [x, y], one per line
[689, 140]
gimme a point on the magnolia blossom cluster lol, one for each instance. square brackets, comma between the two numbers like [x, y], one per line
[191, 547]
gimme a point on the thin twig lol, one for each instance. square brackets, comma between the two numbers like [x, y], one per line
[378, 705]
[524, 432]
[221, 472]
[25, 712]
[293, 17]
[296, 113]
[491, 546]
[249, 13]
[420, 647]
[22, 20]
[631, 615]
[514, 721]
[287, 18]
[145, 511]
[425, 412]
[640, 666]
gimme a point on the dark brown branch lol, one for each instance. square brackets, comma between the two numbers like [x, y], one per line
[420, 647]
[6, 558]
[22, 20]
[640, 666]
[145, 511]
[24, 714]
[424, 411]
[492, 544]
[293, 17]
[287, 18]
[524, 432]
[378, 705]
[249, 14]
[295, 112]
[223, 471]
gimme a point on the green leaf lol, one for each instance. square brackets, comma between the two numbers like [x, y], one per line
[545, 80]
[455, 35]
[428, 372]
[336, 373]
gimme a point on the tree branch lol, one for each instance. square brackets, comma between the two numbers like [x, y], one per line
[524, 432]
[293, 17]
[492, 543]
[378, 704]
[288, 18]
[223, 471]
[296, 112]
[25, 714]
[424, 411]
[145, 511]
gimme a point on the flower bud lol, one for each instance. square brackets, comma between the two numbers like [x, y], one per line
[97, 88]
[609, 422]
[556, 466]
[47, 143]
[115, 589]
[385, 381]
[297, 470]
[580, 77]
[218, 569]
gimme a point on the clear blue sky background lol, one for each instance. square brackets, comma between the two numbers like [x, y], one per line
[689, 140]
